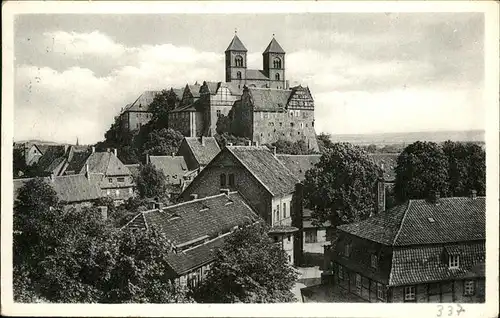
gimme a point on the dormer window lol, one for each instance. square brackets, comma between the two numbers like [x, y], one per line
[453, 261]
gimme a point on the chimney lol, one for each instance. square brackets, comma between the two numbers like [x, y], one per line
[202, 141]
[116, 152]
[194, 196]
[473, 194]
[93, 149]
[380, 197]
[225, 191]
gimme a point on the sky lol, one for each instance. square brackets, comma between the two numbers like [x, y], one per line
[368, 72]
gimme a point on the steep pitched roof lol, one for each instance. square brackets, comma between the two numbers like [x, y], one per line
[53, 156]
[173, 167]
[133, 168]
[69, 189]
[274, 47]
[299, 164]
[178, 92]
[256, 75]
[388, 163]
[233, 88]
[200, 222]
[269, 99]
[77, 162]
[236, 45]
[212, 87]
[421, 222]
[105, 163]
[421, 264]
[266, 168]
[203, 148]
[195, 90]
[143, 101]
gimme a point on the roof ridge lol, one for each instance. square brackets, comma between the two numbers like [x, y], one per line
[194, 200]
[401, 223]
[250, 170]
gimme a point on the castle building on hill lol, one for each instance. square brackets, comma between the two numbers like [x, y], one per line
[258, 104]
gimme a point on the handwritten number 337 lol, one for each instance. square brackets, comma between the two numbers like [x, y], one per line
[459, 310]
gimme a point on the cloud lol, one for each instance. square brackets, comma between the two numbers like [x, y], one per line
[92, 77]
[80, 44]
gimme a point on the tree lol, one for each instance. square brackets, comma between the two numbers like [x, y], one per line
[162, 103]
[341, 187]
[248, 268]
[324, 142]
[223, 124]
[151, 182]
[298, 147]
[467, 167]
[422, 169]
[162, 142]
[225, 138]
[75, 256]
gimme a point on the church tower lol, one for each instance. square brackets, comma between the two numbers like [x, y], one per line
[274, 64]
[236, 62]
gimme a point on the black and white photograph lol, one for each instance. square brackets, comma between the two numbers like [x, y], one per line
[271, 153]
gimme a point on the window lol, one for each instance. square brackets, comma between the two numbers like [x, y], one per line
[277, 76]
[108, 192]
[380, 291]
[277, 63]
[277, 212]
[289, 237]
[469, 288]
[223, 180]
[281, 124]
[276, 239]
[409, 293]
[312, 124]
[358, 283]
[374, 261]
[231, 180]
[347, 249]
[341, 272]
[218, 113]
[311, 236]
[238, 75]
[454, 261]
[117, 192]
[291, 113]
[284, 210]
[289, 259]
[110, 180]
[301, 125]
[238, 60]
[121, 179]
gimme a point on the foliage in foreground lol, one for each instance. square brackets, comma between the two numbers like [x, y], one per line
[69, 255]
[249, 268]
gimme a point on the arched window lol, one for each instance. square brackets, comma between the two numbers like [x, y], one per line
[277, 76]
[238, 75]
[238, 60]
[277, 63]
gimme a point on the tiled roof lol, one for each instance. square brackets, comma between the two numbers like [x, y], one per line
[236, 45]
[256, 75]
[195, 90]
[77, 162]
[422, 264]
[269, 99]
[52, 157]
[105, 163]
[196, 220]
[178, 92]
[233, 88]
[266, 168]
[133, 168]
[71, 188]
[143, 101]
[212, 87]
[204, 148]
[274, 47]
[173, 167]
[387, 162]
[422, 222]
[299, 164]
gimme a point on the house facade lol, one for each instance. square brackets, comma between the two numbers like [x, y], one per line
[420, 251]
[196, 228]
[267, 186]
[198, 151]
[266, 115]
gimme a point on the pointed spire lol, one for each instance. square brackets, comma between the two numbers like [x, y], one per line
[274, 47]
[236, 44]
[77, 143]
